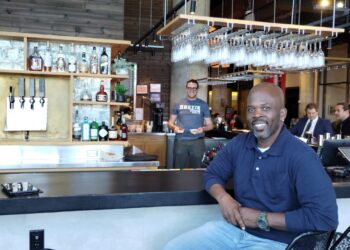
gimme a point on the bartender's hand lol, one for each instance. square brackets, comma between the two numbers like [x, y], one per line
[230, 209]
[178, 130]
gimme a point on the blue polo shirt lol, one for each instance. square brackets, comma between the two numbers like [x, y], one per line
[288, 177]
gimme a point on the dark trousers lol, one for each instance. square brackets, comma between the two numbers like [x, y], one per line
[188, 153]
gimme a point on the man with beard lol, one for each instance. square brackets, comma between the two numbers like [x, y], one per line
[342, 115]
[280, 188]
[190, 118]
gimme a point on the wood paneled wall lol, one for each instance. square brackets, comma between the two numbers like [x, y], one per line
[86, 18]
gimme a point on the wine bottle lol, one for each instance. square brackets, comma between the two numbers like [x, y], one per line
[104, 62]
[94, 61]
[103, 132]
[94, 130]
[35, 61]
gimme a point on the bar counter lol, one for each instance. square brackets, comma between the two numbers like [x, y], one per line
[73, 191]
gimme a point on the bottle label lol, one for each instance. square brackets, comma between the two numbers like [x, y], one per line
[123, 135]
[93, 68]
[94, 134]
[103, 133]
[47, 61]
[36, 63]
[101, 98]
[60, 65]
[72, 67]
[113, 134]
[86, 132]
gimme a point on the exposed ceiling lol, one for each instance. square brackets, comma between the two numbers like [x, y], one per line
[264, 11]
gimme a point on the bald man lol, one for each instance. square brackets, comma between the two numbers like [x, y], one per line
[280, 186]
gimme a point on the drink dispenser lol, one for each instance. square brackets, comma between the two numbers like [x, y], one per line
[157, 113]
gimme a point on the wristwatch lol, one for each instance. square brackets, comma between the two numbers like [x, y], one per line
[262, 222]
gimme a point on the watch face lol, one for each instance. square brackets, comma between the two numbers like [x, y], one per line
[262, 222]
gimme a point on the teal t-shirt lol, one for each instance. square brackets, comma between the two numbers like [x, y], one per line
[190, 115]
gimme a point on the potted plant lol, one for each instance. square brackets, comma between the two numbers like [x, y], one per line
[120, 65]
[120, 91]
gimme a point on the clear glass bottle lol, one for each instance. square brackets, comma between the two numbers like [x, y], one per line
[101, 96]
[104, 62]
[94, 131]
[103, 132]
[83, 64]
[85, 130]
[85, 94]
[61, 62]
[113, 132]
[72, 60]
[94, 61]
[47, 58]
[76, 127]
[35, 61]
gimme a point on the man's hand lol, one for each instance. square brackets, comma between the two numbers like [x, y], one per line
[249, 216]
[178, 130]
[230, 209]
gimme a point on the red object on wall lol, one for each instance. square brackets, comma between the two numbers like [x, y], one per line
[278, 80]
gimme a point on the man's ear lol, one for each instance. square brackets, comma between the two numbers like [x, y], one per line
[283, 114]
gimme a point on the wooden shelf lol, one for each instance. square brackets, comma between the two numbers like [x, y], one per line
[101, 103]
[59, 89]
[238, 23]
[64, 74]
[118, 45]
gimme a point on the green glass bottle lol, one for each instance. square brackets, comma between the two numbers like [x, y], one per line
[94, 131]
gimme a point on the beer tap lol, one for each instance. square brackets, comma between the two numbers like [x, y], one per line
[42, 91]
[11, 99]
[21, 91]
[32, 92]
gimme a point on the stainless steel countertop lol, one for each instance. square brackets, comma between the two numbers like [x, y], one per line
[152, 134]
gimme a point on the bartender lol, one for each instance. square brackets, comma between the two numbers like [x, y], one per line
[190, 118]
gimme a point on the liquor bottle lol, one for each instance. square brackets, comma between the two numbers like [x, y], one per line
[113, 132]
[85, 130]
[94, 61]
[47, 58]
[85, 94]
[101, 96]
[94, 130]
[124, 130]
[72, 60]
[61, 62]
[103, 132]
[76, 127]
[118, 125]
[104, 62]
[83, 65]
[35, 61]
